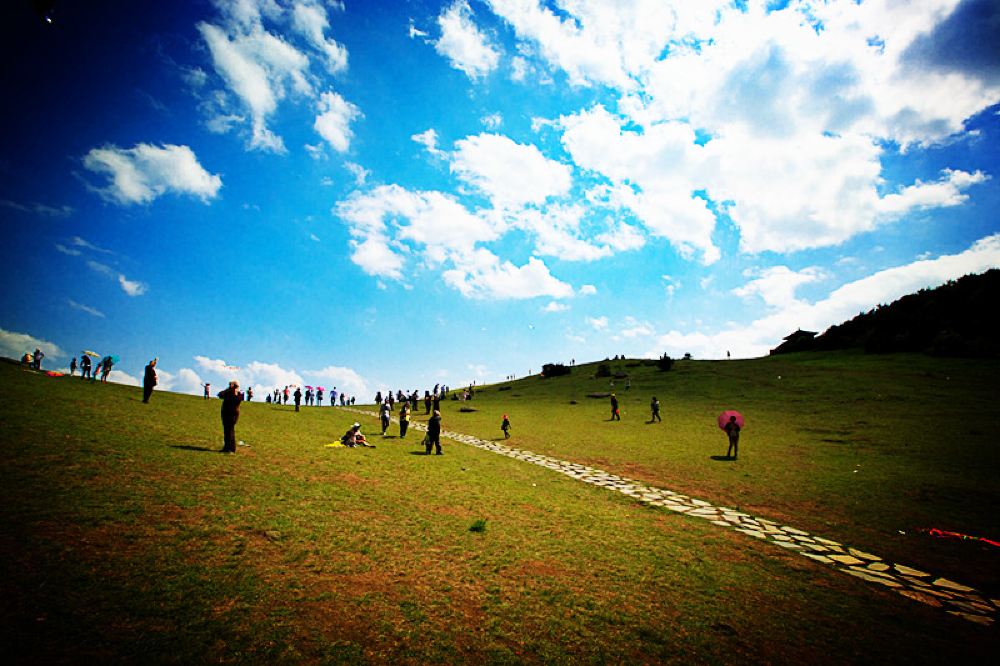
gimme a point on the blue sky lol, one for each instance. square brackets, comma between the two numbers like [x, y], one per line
[395, 194]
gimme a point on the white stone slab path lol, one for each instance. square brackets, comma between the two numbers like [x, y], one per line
[955, 598]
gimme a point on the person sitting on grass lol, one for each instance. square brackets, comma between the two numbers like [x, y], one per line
[354, 437]
[733, 430]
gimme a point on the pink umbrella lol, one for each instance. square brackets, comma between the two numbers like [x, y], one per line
[320, 388]
[309, 387]
[724, 418]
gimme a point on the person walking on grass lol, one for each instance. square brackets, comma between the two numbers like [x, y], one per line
[149, 381]
[733, 430]
[433, 438]
[298, 397]
[615, 414]
[231, 399]
[404, 418]
[654, 408]
[505, 426]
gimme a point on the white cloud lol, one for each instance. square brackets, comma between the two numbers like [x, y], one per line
[414, 32]
[345, 379]
[258, 67]
[588, 290]
[509, 173]
[185, 381]
[463, 44]
[15, 345]
[334, 121]
[68, 250]
[597, 323]
[776, 285]
[119, 377]
[843, 303]
[708, 88]
[94, 312]
[555, 306]
[492, 121]
[482, 275]
[391, 217]
[130, 287]
[309, 19]
[145, 172]
[359, 172]
[428, 139]
[946, 192]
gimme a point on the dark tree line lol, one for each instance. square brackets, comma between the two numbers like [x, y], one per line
[958, 318]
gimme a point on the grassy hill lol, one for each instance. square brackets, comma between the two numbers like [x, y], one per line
[128, 538]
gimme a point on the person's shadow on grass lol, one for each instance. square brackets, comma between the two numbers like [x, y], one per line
[724, 458]
[188, 447]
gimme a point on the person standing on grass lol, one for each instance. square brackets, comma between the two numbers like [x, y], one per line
[404, 418]
[383, 412]
[72, 367]
[286, 395]
[433, 438]
[231, 399]
[298, 397]
[733, 430]
[654, 407]
[106, 369]
[615, 414]
[249, 393]
[37, 360]
[207, 387]
[85, 367]
[149, 381]
[505, 426]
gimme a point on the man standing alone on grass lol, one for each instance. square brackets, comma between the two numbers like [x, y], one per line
[654, 407]
[231, 399]
[298, 397]
[615, 415]
[149, 381]
[434, 433]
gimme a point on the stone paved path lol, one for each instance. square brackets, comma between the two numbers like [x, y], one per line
[955, 598]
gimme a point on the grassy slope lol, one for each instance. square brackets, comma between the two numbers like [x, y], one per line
[127, 538]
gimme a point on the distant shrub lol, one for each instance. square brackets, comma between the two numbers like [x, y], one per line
[687, 357]
[554, 369]
[504, 388]
[603, 370]
[478, 526]
[664, 363]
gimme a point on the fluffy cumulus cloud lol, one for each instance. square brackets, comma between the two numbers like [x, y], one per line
[840, 305]
[509, 173]
[263, 52]
[184, 380]
[706, 90]
[334, 121]
[15, 345]
[465, 46]
[390, 224]
[140, 174]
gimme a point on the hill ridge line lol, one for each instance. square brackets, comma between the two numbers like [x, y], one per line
[956, 599]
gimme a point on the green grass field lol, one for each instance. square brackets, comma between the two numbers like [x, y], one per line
[128, 538]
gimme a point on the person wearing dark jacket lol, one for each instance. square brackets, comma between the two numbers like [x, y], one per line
[434, 433]
[231, 399]
[298, 398]
[149, 380]
[615, 414]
